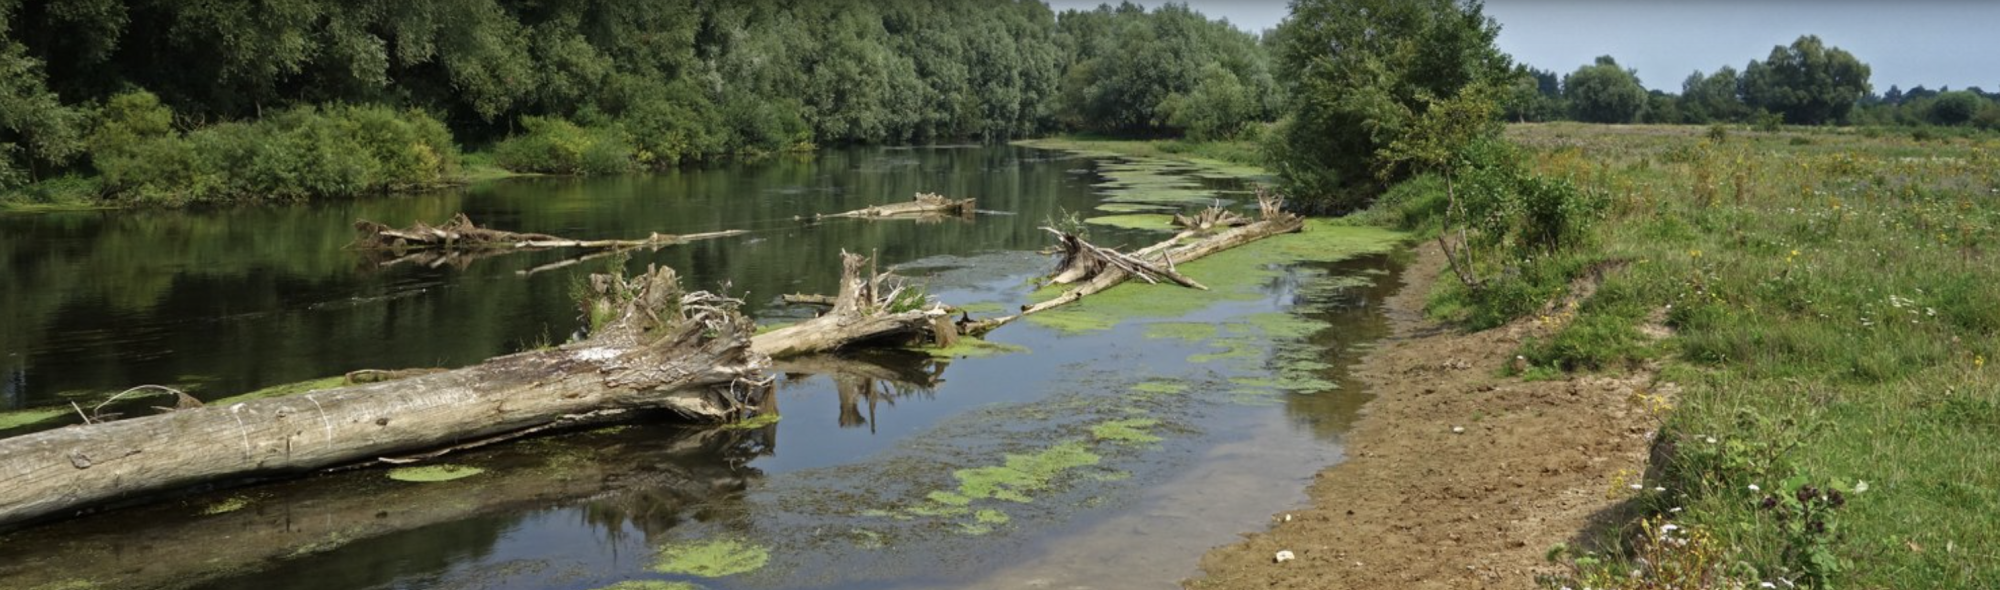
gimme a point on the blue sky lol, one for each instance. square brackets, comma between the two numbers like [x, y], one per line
[1934, 43]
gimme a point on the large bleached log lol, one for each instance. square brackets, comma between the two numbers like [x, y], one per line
[1093, 269]
[460, 241]
[870, 307]
[655, 348]
[925, 204]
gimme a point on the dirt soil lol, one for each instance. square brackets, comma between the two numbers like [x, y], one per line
[1420, 504]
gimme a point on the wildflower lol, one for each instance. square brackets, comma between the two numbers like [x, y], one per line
[1860, 486]
[1978, 361]
[1659, 489]
[1694, 253]
[1674, 510]
[1754, 488]
[1637, 487]
[1711, 440]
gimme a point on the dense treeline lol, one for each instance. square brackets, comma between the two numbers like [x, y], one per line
[1805, 83]
[584, 86]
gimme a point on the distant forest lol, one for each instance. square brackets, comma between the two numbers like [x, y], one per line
[672, 80]
[180, 102]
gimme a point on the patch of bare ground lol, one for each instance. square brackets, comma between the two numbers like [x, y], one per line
[1456, 476]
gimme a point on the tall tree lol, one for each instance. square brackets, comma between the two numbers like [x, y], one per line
[1362, 73]
[1808, 82]
[1603, 92]
[1713, 97]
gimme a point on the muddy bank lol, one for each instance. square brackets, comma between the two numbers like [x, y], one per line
[1418, 504]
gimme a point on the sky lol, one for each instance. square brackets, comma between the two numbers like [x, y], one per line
[1931, 43]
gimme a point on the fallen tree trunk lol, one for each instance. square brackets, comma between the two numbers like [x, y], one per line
[870, 307]
[638, 478]
[925, 204]
[460, 241]
[660, 348]
[1094, 269]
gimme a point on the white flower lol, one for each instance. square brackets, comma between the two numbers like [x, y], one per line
[1637, 487]
[1766, 585]
[1661, 489]
[1860, 486]
[1754, 488]
[1711, 440]
[1675, 510]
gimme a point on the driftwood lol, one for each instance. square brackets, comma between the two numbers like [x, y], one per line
[1093, 269]
[460, 241]
[658, 348]
[1210, 219]
[925, 204]
[870, 307]
[647, 478]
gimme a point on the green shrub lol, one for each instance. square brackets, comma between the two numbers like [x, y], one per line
[553, 145]
[338, 151]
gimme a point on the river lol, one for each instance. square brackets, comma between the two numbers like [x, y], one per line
[1106, 447]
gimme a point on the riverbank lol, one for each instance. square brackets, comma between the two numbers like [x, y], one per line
[1455, 477]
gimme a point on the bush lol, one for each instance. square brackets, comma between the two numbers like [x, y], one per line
[553, 145]
[338, 151]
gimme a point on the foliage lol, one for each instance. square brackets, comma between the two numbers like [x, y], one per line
[1809, 83]
[1605, 93]
[1713, 97]
[553, 145]
[339, 151]
[1132, 72]
[1361, 73]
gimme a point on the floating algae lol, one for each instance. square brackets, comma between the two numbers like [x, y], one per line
[1162, 387]
[19, 418]
[1129, 431]
[1188, 331]
[969, 347]
[434, 473]
[711, 559]
[1237, 274]
[651, 585]
[754, 422]
[231, 504]
[283, 390]
[1143, 221]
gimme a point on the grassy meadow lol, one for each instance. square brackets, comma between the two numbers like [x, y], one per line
[1834, 301]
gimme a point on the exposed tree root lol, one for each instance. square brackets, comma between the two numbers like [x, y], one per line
[871, 307]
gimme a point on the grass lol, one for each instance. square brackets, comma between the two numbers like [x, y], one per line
[1834, 323]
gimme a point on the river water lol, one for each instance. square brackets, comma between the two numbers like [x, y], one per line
[1132, 446]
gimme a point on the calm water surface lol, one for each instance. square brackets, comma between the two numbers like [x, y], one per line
[221, 302]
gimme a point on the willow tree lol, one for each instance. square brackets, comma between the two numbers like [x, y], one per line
[1362, 73]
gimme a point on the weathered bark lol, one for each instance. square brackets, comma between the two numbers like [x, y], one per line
[1210, 219]
[925, 204]
[648, 478]
[1093, 271]
[661, 349]
[459, 242]
[870, 307]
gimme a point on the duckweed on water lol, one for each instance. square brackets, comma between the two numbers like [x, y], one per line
[969, 347]
[434, 473]
[283, 390]
[754, 422]
[991, 516]
[1144, 221]
[1021, 474]
[1129, 431]
[1164, 387]
[1132, 208]
[711, 559]
[1236, 274]
[19, 418]
[1188, 331]
[231, 504]
[651, 585]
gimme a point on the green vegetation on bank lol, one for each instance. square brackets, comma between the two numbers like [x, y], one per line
[1831, 340]
[228, 102]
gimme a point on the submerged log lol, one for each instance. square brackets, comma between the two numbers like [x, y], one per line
[925, 204]
[870, 307]
[658, 348]
[460, 241]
